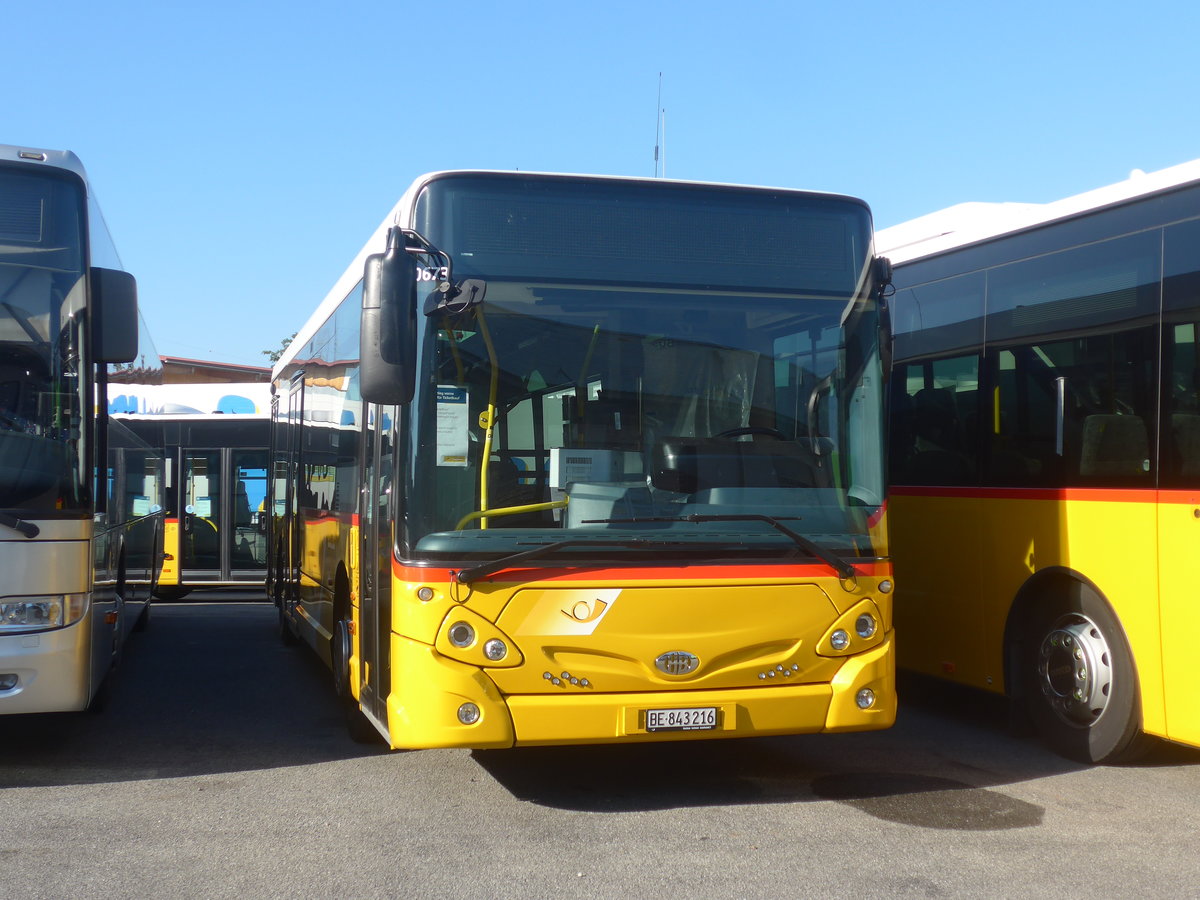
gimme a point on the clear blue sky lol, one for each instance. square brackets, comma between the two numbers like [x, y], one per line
[244, 151]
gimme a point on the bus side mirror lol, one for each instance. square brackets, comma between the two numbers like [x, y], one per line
[114, 316]
[388, 340]
[884, 273]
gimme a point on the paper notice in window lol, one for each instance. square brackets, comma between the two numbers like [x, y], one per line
[452, 426]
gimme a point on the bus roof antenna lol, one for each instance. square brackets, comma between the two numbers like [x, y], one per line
[658, 122]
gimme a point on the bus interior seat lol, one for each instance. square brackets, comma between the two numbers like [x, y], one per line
[936, 457]
[1114, 445]
[935, 418]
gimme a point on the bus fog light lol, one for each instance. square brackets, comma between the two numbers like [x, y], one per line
[8, 681]
[425, 594]
[468, 714]
[865, 625]
[865, 698]
[462, 635]
[839, 640]
[495, 650]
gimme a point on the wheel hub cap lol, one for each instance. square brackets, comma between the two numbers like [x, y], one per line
[1075, 670]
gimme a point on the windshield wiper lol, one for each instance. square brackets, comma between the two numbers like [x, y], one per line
[466, 576]
[831, 559]
[26, 528]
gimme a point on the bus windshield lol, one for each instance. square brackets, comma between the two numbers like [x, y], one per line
[699, 416]
[42, 299]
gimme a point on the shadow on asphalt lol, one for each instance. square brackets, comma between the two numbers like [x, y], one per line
[944, 766]
[206, 688]
[209, 688]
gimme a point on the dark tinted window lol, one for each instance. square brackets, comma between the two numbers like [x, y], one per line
[940, 317]
[1080, 289]
[935, 422]
[513, 226]
[1079, 411]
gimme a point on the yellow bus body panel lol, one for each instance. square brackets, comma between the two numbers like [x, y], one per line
[1178, 538]
[961, 561]
[581, 664]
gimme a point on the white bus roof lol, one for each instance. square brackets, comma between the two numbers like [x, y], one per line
[970, 223]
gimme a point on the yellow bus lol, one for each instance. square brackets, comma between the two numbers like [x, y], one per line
[1045, 464]
[571, 459]
[80, 495]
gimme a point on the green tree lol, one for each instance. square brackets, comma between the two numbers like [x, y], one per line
[274, 355]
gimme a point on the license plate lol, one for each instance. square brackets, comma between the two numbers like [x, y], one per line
[703, 718]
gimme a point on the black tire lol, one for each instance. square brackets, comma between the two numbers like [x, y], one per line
[143, 620]
[1080, 682]
[287, 637]
[339, 656]
[360, 728]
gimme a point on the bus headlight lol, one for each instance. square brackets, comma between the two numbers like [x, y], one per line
[857, 629]
[865, 625]
[19, 614]
[470, 638]
[461, 635]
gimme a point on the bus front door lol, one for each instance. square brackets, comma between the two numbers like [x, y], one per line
[222, 540]
[375, 569]
[200, 517]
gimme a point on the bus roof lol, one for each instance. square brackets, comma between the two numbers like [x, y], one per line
[36, 156]
[972, 223]
[401, 214]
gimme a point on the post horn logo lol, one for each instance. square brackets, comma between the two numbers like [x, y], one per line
[585, 611]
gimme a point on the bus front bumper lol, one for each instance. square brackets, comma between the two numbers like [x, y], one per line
[429, 693]
[51, 669]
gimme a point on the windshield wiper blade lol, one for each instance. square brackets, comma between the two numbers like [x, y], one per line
[466, 576]
[26, 528]
[831, 559]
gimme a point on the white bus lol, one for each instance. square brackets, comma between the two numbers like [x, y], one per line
[80, 496]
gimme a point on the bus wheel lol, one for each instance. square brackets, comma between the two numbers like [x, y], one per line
[143, 620]
[358, 725]
[287, 637]
[1082, 684]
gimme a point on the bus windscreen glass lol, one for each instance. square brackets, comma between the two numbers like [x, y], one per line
[645, 357]
[42, 305]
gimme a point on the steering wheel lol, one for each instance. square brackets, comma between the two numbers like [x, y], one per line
[752, 429]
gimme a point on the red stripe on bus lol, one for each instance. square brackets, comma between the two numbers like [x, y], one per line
[1189, 498]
